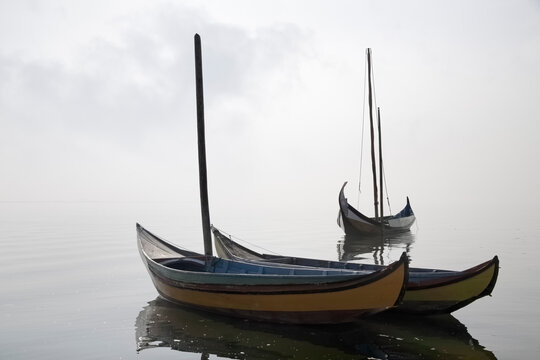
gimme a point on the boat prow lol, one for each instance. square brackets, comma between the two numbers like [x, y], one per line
[449, 292]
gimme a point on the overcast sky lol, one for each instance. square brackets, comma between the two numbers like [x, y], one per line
[97, 102]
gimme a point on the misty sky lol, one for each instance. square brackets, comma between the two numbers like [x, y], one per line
[97, 102]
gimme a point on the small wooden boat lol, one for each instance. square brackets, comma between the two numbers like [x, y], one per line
[352, 221]
[269, 292]
[428, 291]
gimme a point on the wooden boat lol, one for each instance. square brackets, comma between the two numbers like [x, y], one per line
[352, 221]
[269, 292]
[428, 291]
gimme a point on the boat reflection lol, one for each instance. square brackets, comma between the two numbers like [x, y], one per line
[385, 336]
[378, 248]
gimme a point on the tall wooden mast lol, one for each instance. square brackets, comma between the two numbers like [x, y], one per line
[203, 184]
[380, 164]
[372, 131]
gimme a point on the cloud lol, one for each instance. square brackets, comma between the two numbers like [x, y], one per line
[82, 128]
[101, 104]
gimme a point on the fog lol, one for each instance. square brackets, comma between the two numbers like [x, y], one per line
[97, 103]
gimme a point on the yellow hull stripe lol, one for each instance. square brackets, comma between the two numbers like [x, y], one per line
[459, 291]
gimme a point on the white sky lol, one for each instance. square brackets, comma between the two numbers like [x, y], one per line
[97, 102]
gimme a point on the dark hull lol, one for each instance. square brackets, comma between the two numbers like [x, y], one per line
[353, 222]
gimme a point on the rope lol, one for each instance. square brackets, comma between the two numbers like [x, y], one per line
[362, 138]
[247, 242]
[386, 190]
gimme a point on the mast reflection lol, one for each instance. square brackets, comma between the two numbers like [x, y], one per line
[384, 336]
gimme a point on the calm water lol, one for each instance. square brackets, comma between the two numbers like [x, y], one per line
[73, 285]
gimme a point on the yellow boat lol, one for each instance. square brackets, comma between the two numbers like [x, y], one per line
[428, 291]
[269, 292]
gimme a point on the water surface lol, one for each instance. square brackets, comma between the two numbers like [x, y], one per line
[73, 285]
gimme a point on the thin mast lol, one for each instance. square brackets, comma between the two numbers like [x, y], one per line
[373, 165]
[203, 184]
[380, 164]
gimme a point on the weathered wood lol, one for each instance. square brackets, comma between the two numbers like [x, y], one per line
[203, 183]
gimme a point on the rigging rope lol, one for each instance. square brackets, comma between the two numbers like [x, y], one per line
[362, 138]
[386, 190]
[247, 242]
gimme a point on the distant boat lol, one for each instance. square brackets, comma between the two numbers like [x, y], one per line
[264, 292]
[352, 221]
[428, 291]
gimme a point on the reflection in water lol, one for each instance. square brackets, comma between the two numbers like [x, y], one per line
[354, 247]
[161, 324]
